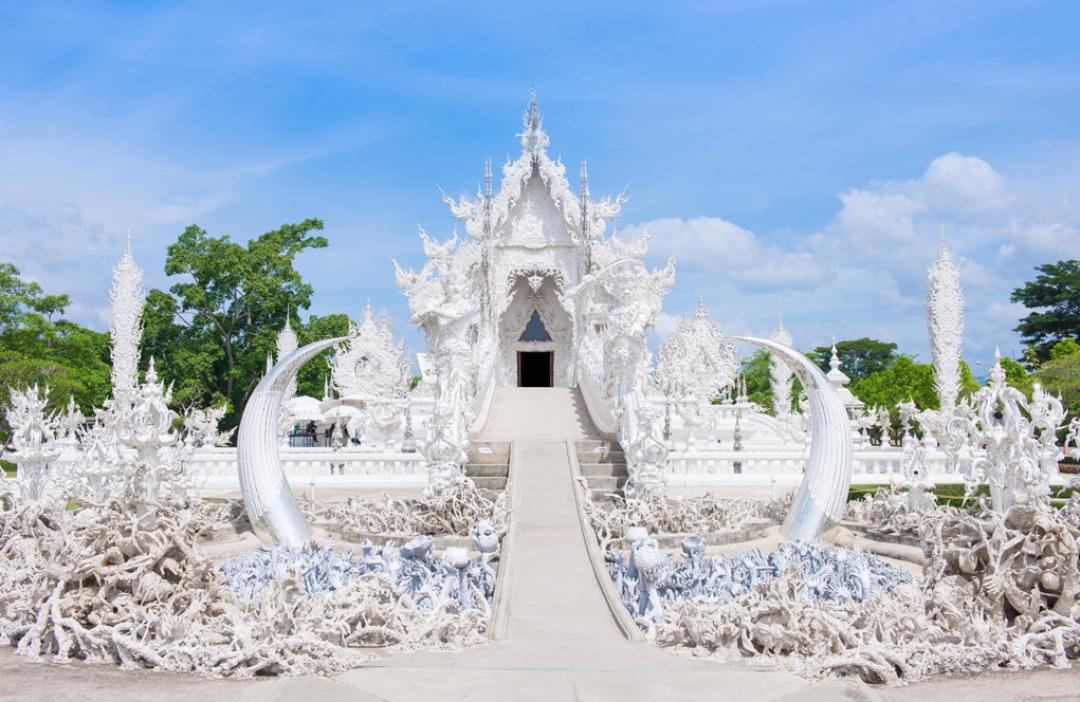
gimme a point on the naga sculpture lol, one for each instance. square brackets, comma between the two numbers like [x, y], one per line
[823, 492]
[268, 499]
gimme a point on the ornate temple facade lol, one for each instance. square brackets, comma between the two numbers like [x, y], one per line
[528, 244]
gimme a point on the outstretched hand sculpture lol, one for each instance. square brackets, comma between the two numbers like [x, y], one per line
[824, 488]
[268, 500]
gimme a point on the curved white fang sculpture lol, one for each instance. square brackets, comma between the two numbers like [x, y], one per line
[824, 488]
[267, 498]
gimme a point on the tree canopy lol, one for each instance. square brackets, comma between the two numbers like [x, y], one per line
[1054, 297]
[1061, 374]
[755, 371]
[313, 377]
[859, 358]
[36, 347]
[212, 329]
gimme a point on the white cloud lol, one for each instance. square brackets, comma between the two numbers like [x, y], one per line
[666, 325]
[716, 248]
[964, 186]
[864, 273]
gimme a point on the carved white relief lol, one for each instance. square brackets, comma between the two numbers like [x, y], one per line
[371, 363]
[698, 360]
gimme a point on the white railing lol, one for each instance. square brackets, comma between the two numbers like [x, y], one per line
[780, 465]
[216, 467]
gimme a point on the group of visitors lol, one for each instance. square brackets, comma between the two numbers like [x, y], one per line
[333, 435]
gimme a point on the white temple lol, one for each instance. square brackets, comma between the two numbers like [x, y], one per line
[539, 292]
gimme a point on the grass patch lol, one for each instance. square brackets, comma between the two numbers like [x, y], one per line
[9, 468]
[954, 494]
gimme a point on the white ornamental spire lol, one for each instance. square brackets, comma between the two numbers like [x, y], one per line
[945, 318]
[126, 299]
[286, 344]
[780, 374]
[533, 139]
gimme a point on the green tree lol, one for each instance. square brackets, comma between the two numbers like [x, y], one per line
[213, 328]
[1063, 348]
[1061, 374]
[1016, 375]
[859, 358]
[1054, 296]
[36, 348]
[313, 376]
[968, 382]
[900, 381]
[755, 371]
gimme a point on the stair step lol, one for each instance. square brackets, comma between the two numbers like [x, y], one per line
[610, 457]
[604, 469]
[489, 483]
[489, 458]
[602, 494]
[606, 482]
[591, 445]
[487, 470]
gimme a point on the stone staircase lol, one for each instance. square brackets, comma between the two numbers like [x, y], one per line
[489, 464]
[603, 465]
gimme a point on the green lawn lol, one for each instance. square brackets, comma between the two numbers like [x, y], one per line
[951, 494]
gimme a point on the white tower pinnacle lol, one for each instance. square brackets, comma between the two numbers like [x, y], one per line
[780, 375]
[945, 318]
[286, 344]
[126, 299]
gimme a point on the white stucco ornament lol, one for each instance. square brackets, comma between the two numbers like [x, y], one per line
[697, 360]
[126, 299]
[371, 363]
[945, 318]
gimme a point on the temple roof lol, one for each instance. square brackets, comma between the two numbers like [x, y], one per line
[488, 214]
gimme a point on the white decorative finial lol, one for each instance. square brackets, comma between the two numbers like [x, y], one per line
[997, 374]
[126, 299]
[287, 342]
[533, 138]
[781, 377]
[945, 319]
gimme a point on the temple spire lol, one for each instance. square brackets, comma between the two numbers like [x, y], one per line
[586, 234]
[287, 342]
[781, 377]
[126, 298]
[533, 139]
[945, 320]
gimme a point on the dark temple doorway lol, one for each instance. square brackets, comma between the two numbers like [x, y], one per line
[536, 369]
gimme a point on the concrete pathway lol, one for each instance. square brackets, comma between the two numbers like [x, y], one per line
[562, 641]
[537, 414]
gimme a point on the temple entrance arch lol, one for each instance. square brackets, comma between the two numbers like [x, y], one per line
[535, 333]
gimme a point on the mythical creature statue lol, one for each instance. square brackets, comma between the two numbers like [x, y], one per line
[201, 427]
[443, 298]
[621, 302]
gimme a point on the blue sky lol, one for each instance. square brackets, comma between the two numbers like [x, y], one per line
[793, 156]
